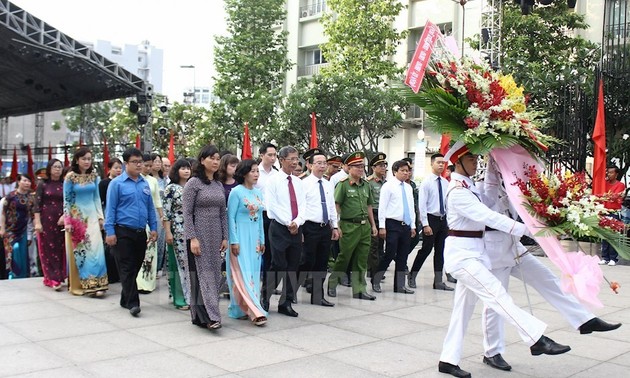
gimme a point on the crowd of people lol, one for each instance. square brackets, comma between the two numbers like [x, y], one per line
[247, 228]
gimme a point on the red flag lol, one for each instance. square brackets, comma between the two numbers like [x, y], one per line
[599, 148]
[29, 169]
[49, 151]
[138, 141]
[66, 161]
[105, 157]
[171, 148]
[444, 144]
[247, 146]
[313, 131]
[14, 166]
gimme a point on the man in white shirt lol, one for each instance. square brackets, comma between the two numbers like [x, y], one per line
[266, 169]
[286, 204]
[397, 225]
[342, 174]
[432, 211]
[320, 226]
[464, 257]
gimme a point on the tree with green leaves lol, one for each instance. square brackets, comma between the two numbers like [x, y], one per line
[351, 114]
[113, 121]
[251, 62]
[544, 54]
[362, 39]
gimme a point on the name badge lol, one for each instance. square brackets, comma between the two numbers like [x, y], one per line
[352, 190]
[146, 191]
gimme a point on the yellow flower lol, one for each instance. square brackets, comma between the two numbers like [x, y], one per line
[518, 107]
[510, 87]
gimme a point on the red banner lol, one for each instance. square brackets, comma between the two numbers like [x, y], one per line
[415, 73]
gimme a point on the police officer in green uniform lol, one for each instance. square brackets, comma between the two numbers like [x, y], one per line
[353, 198]
[376, 181]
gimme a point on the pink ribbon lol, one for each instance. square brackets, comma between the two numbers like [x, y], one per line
[581, 275]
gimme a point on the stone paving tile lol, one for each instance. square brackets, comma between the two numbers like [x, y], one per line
[167, 363]
[33, 311]
[54, 334]
[182, 334]
[100, 346]
[379, 325]
[317, 338]
[65, 372]
[26, 358]
[427, 314]
[310, 367]
[18, 296]
[150, 315]
[60, 327]
[385, 358]
[9, 337]
[243, 353]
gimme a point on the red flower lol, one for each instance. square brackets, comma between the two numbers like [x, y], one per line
[471, 123]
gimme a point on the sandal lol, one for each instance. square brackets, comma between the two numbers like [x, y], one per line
[260, 321]
[214, 325]
[184, 308]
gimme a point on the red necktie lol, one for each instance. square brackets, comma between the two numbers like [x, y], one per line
[293, 198]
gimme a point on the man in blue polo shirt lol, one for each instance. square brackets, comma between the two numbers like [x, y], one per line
[129, 210]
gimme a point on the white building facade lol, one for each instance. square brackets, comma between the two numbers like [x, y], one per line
[303, 22]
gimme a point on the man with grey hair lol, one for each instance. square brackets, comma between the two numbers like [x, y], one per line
[285, 201]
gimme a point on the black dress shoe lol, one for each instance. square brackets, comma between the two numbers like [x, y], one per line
[325, 303]
[366, 296]
[545, 345]
[376, 287]
[287, 310]
[403, 290]
[277, 292]
[411, 282]
[332, 291]
[454, 370]
[134, 311]
[450, 278]
[442, 286]
[264, 303]
[497, 362]
[597, 325]
[309, 289]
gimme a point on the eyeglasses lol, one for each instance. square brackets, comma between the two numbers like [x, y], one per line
[135, 162]
[292, 158]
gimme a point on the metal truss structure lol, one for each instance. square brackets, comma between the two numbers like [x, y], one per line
[490, 33]
[44, 69]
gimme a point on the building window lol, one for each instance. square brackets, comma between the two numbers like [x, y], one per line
[312, 8]
[313, 57]
[415, 34]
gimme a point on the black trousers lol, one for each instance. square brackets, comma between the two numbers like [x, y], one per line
[266, 257]
[397, 244]
[131, 245]
[110, 263]
[440, 232]
[286, 251]
[377, 251]
[314, 259]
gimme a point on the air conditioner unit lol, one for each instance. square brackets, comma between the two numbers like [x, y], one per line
[304, 13]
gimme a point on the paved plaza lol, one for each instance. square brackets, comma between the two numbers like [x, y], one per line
[54, 334]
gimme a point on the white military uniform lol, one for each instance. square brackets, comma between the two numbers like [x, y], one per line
[464, 258]
[502, 249]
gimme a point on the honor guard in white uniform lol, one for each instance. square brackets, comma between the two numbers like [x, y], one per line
[464, 258]
[509, 257]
